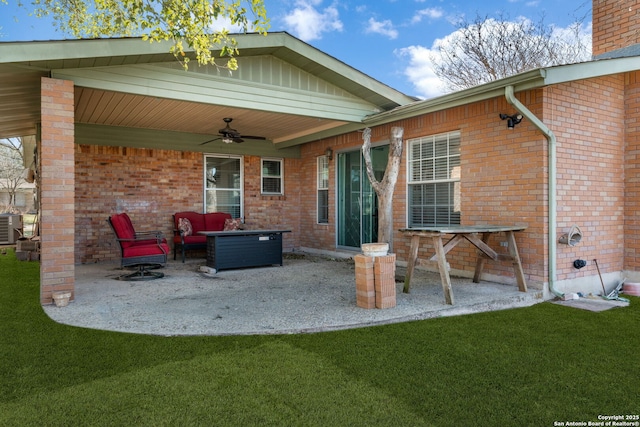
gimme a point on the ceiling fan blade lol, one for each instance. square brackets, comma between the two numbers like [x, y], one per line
[228, 134]
[211, 140]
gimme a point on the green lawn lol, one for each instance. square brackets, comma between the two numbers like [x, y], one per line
[524, 367]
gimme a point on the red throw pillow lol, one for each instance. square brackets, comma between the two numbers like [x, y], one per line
[184, 226]
[232, 224]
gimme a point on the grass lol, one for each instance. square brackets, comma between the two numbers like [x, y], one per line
[528, 366]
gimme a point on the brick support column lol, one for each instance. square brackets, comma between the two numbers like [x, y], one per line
[375, 281]
[365, 286]
[57, 188]
[384, 271]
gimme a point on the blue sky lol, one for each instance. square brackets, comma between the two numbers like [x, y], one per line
[389, 40]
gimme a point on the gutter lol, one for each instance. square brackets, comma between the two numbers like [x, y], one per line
[553, 201]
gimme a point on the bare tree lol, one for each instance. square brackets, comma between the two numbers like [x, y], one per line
[384, 189]
[489, 49]
[11, 169]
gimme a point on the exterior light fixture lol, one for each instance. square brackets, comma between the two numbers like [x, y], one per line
[512, 120]
[329, 153]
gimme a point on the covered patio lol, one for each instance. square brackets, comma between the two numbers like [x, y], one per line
[309, 293]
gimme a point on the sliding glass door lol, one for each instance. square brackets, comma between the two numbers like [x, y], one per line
[357, 202]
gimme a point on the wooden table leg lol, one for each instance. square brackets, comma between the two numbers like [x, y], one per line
[442, 267]
[481, 260]
[517, 264]
[413, 256]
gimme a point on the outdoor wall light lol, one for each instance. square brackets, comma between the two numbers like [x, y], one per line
[512, 120]
[329, 153]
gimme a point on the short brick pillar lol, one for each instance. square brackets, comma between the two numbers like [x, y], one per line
[375, 281]
[384, 269]
[365, 288]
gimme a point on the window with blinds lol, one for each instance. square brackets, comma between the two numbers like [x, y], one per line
[323, 189]
[434, 180]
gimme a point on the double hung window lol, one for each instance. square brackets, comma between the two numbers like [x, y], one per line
[223, 185]
[434, 180]
[272, 176]
[323, 189]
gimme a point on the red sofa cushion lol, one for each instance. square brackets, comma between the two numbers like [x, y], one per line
[214, 221]
[196, 219]
[190, 240]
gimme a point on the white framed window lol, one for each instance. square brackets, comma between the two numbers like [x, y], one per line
[434, 180]
[323, 189]
[272, 176]
[20, 199]
[223, 184]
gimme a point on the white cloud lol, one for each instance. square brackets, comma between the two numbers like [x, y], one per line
[308, 22]
[420, 73]
[429, 13]
[225, 23]
[382, 27]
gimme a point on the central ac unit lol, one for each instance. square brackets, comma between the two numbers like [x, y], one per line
[10, 228]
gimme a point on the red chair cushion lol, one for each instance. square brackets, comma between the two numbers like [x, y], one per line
[123, 228]
[144, 250]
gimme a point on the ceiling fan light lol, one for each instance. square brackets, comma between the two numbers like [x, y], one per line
[227, 140]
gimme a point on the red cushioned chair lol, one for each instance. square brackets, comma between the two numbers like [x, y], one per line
[144, 251]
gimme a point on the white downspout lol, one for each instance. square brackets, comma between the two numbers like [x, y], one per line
[551, 140]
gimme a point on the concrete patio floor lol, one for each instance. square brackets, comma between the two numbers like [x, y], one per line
[309, 293]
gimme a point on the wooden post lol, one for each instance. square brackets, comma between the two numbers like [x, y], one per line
[442, 267]
[517, 264]
[481, 260]
[413, 256]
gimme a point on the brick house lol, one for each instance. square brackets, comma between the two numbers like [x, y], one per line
[122, 127]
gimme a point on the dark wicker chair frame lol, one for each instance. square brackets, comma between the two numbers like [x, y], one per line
[150, 254]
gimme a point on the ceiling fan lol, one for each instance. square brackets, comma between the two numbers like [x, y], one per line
[229, 135]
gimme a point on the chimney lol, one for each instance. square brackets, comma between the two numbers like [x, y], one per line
[616, 28]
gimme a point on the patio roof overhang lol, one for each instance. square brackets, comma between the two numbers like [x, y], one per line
[133, 93]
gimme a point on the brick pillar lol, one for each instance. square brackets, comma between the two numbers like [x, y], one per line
[384, 269]
[375, 281]
[57, 188]
[365, 290]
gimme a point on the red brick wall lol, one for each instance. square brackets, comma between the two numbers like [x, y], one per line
[56, 179]
[615, 25]
[502, 181]
[265, 211]
[588, 120]
[504, 176]
[632, 173]
[151, 185]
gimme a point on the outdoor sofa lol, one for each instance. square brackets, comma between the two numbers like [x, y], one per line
[189, 224]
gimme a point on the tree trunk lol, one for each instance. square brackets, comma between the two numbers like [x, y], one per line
[384, 189]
